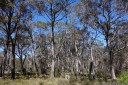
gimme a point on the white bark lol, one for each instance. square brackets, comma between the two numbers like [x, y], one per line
[77, 65]
[113, 73]
[53, 56]
[52, 68]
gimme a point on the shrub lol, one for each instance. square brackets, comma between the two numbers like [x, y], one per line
[57, 72]
[101, 75]
[72, 80]
[123, 78]
[62, 82]
[41, 83]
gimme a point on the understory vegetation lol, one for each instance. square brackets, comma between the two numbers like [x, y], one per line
[54, 81]
[32, 79]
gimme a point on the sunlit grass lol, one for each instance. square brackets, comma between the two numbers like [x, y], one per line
[52, 81]
[34, 81]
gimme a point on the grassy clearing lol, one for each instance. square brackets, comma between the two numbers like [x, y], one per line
[52, 81]
[34, 81]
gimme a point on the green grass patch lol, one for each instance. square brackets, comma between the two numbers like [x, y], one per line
[123, 78]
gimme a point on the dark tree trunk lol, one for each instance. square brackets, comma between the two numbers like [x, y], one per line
[37, 71]
[1, 69]
[23, 70]
[21, 63]
[91, 73]
[13, 62]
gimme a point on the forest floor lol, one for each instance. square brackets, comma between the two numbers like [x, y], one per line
[52, 81]
[34, 81]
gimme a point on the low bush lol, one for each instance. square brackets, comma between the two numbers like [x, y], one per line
[123, 78]
[102, 75]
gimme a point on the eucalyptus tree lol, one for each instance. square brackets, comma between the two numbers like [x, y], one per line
[22, 46]
[108, 17]
[53, 11]
[13, 14]
[85, 39]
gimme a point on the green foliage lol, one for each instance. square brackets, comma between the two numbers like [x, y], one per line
[41, 24]
[57, 72]
[123, 78]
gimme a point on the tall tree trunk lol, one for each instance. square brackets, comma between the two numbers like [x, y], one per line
[37, 71]
[13, 61]
[1, 69]
[23, 70]
[53, 68]
[91, 68]
[53, 62]
[112, 70]
[21, 62]
[77, 67]
[6, 50]
[53, 53]
[113, 73]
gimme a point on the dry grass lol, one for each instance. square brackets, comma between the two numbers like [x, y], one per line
[49, 81]
[34, 81]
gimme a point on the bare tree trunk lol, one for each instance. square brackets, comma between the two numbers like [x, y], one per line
[13, 61]
[91, 68]
[77, 66]
[23, 70]
[37, 71]
[112, 70]
[53, 68]
[53, 51]
[113, 73]
[53, 61]
[1, 69]
[6, 50]
[36, 66]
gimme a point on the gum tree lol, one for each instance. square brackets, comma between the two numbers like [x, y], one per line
[13, 15]
[53, 11]
[108, 17]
